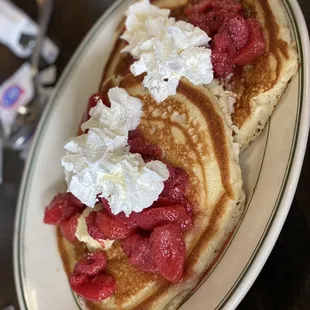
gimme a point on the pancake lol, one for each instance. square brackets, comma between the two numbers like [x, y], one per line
[193, 134]
[260, 87]
[257, 87]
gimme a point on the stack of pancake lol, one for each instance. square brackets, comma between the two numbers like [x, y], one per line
[198, 133]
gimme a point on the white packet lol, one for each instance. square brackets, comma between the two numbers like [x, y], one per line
[17, 91]
[14, 23]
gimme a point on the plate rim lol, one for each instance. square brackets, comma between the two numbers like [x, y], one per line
[291, 179]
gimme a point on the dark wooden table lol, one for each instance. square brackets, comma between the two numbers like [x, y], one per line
[284, 282]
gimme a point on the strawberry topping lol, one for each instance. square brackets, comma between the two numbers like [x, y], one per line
[91, 264]
[175, 186]
[254, 47]
[68, 227]
[96, 288]
[235, 39]
[110, 227]
[62, 208]
[168, 251]
[138, 249]
[150, 218]
[92, 227]
[89, 279]
[78, 278]
[138, 145]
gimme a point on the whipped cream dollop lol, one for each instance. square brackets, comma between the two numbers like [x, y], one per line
[144, 22]
[166, 50]
[99, 164]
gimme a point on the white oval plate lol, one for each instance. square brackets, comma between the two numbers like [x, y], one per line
[271, 168]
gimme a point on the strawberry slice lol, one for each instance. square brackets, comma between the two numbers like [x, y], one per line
[139, 250]
[222, 42]
[61, 208]
[163, 202]
[238, 30]
[222, 64]
[141, 256]
[129, 243]
[110, 227]
[68, 227]
[198, 19]
[78, 278]
[106, 205]
[157, 215]
[217, 18]
[129, 221]
[92, 227]
[150, 218]
[88, 279]
[97, 288]
[75, 201]
[254, 47]
[168, 251]
[175, 186]
[138, 145]
[188, 207]
[91, 264]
